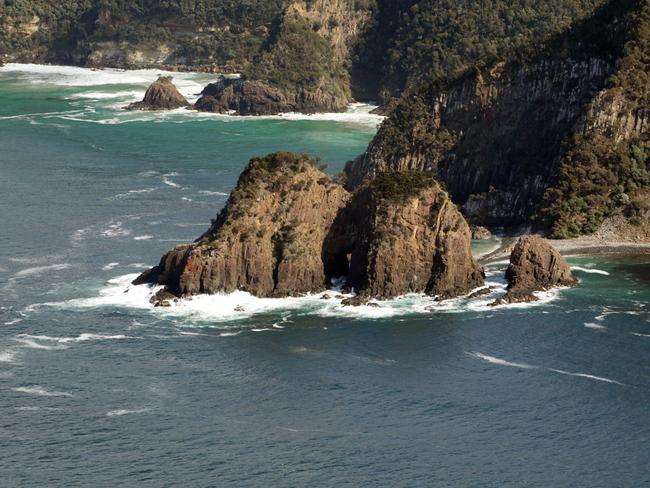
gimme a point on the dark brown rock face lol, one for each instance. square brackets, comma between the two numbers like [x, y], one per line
[480, 233]
[268, 240]
[416, 242]
[161, 95]
[248, 97]
[535, 266]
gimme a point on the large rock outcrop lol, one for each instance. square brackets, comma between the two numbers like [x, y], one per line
[500, 137]
[535, 266]
[288, 229]
[161, 95]
[404, 235]
[267, 241]
[249, 97]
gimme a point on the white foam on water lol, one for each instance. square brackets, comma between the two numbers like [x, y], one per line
[115, 229]
[264, 330]
[213, 194]
[638, 334]
[143, 238]
[110, 266]
[7, 356]
[13, 322]
[37, 270]
[36, 409]
[590, 270]
[500, 362]
[133, 192]
[229, 334]
[40, 391]
[591, 325]
[588, 376]
[119, 292]
[125, 411]
[66, 340]
[167, 181]
[29, 343]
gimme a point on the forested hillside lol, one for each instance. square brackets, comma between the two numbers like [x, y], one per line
[555, 137]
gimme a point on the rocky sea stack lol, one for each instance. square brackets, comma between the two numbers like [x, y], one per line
[161, 95]
[404, 235]
[288, 229]
[535, 266]
[247, 97]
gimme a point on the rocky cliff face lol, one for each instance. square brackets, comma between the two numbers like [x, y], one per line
[267, 241]
[497, 137]
[535, 266]
[161, 95]
[404, 235]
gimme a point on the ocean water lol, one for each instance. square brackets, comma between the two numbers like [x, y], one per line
[99, 389]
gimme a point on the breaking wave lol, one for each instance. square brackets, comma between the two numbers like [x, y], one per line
[40, 391]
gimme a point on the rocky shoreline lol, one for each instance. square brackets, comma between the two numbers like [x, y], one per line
[288, 229]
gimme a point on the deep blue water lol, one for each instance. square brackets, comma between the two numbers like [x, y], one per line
[97, 389]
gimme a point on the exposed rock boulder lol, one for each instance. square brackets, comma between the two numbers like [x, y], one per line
[248, 97]
[268, 240]
[404, 235]
[535, 266]
[161, 95]
[480, 233]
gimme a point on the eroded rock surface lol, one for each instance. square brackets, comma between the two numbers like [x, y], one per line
[535, 266]
[404, 235]
[267, 241]
[250, 97]
[161, 95]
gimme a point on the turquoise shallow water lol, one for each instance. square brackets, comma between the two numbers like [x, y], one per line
[99, 390]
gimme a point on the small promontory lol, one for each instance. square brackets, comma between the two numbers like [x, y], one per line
[162, 94]
[535, 266]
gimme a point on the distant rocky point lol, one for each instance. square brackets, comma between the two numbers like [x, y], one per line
[162, 94]
[248, 97]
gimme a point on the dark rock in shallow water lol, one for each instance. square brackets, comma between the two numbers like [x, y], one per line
[480, 233]
[248, 97]
[535, 266]
[161, 95]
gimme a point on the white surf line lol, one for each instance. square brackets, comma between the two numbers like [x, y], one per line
[40, 391]
[503, 362]
[125, 411]
[638, 334]
[588, 376]
[590, 270]
[591, 325]
[500, 362]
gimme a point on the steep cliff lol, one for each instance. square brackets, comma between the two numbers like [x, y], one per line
[403, 235]
[268, 240]
[498, 137]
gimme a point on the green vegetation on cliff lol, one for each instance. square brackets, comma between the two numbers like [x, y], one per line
[602, 173]
[440, 39]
